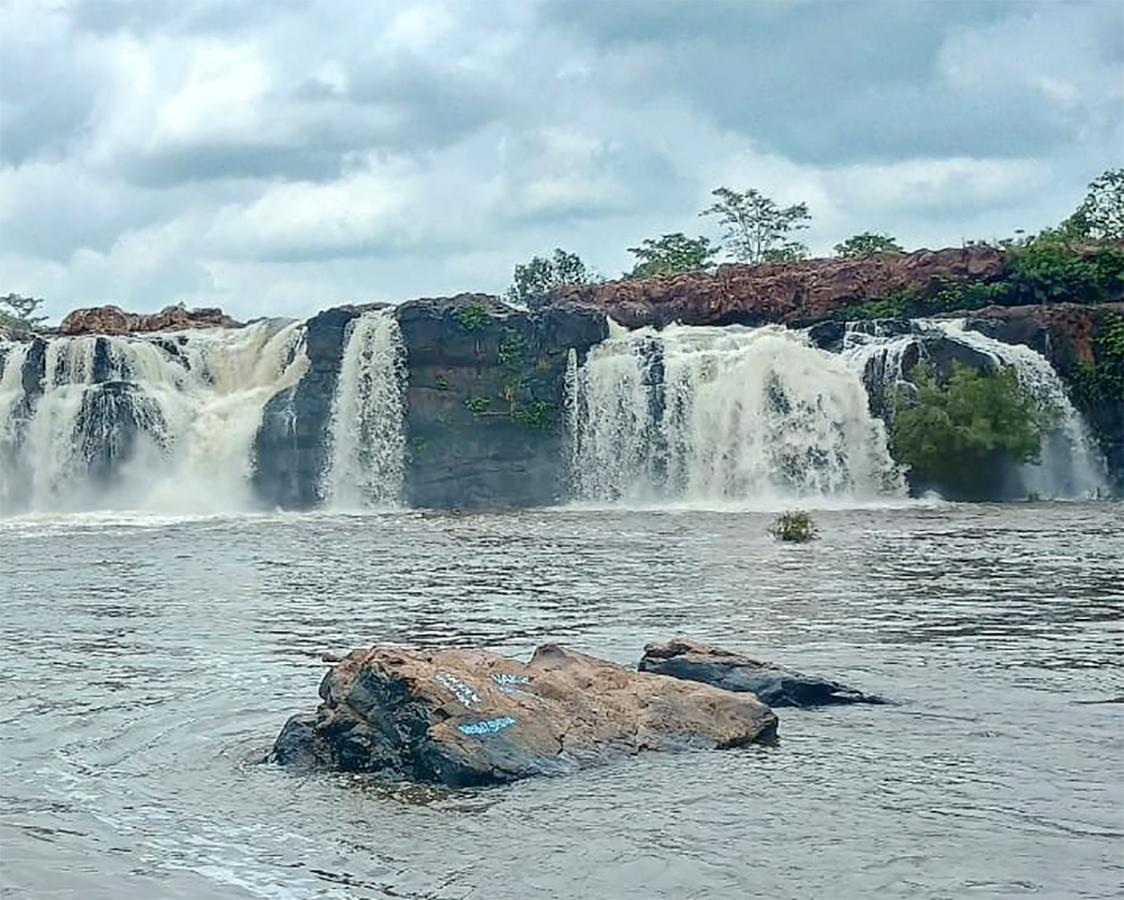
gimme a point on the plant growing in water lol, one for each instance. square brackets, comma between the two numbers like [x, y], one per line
[795, 525]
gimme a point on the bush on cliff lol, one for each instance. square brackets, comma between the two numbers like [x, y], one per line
[670, 253]
[958, 436]
[867, 244]
[533, 281]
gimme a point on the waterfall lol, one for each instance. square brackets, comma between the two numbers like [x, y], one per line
[154, 422]
[367, 444]
[704, 414]
[1071, 466]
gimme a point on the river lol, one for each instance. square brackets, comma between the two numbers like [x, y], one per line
[149, 662]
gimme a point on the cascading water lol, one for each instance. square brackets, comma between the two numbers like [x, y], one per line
[703, 414]
[367, 443]
[154, 422]
[1071, 466]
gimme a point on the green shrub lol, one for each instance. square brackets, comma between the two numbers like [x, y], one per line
[536, 418]
[478, 405]
[796, 526]
[957, 435]
[472, 318]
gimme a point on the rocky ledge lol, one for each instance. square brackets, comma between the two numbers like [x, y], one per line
[112, 320]
[790, 293]
[466, 717]
[772, 684]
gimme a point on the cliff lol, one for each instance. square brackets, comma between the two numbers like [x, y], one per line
[790, 293]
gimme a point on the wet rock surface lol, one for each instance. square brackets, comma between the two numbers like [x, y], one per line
[772, 684]
[485, 399]
[466, 717]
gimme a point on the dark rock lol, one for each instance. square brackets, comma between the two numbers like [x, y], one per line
[773, 685]
[290, 448]
[464, 717]
[486, 397]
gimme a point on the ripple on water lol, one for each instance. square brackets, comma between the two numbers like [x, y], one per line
[149, 663]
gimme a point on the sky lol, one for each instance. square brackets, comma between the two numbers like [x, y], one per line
[276, 158]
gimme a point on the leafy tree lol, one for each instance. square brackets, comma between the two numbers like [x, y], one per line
[959, 434]
[533, 281]
[671, 253]
[756, 228]
[17, 311]
[867, 244]
[1100, 217]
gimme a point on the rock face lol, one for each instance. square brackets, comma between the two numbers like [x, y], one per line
[485, 399]
[290, 449]
[113, 320]
[774, 685]
[790, 293]
[463, 718]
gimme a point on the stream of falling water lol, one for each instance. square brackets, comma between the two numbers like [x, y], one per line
[156, 422]
[367, 465]
[702, 414]
[1070, 466]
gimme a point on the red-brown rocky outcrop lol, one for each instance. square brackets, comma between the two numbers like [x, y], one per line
[114, 320]
[467, 717]
[791, 293]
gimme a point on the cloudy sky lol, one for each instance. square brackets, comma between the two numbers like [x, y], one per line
[278, 157]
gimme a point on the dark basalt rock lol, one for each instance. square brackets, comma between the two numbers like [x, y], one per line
[466, 717]
[485, 399]
[290, 448]
[772, 684]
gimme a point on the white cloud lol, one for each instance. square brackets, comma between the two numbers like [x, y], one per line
[288, 155]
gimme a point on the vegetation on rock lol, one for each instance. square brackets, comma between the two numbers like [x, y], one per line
[533, 281]
[472, 318]
[795, 526]
[959, 434]
[867, 244]
[670, 253]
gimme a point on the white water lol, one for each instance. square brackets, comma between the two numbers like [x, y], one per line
[702, 414]
[193, 399]
[367, 443]
[1070, 467]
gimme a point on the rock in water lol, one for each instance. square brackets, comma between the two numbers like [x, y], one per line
[774, 685]
[466, 717]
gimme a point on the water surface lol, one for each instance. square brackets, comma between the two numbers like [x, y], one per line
[148, 664]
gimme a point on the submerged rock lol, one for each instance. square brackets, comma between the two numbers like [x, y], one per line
[466, 717]
[774, 685]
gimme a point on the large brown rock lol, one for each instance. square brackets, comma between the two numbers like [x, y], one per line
[113, 320]
[791, 293]
[466, 717]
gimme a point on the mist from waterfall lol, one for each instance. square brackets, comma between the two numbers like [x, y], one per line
[723, 414]
[367, 442]
[160, 422]
[1071, 466]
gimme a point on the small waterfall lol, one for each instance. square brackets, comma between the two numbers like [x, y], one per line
[155, 422]
[367, 454]
[723, 414]
[1071, 466]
